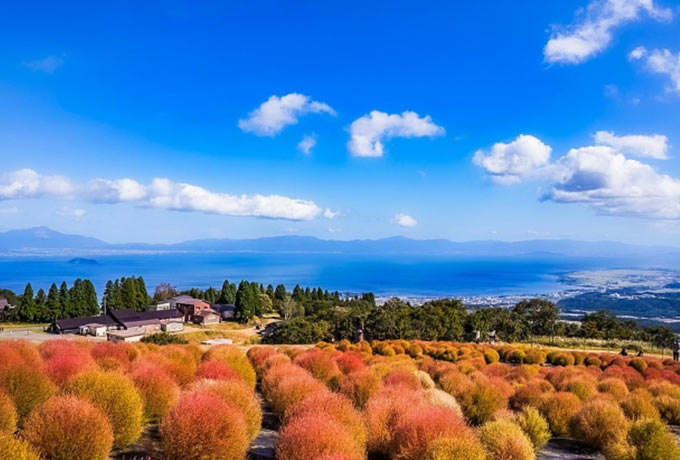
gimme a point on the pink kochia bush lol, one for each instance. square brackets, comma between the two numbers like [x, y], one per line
[217, 370]
[384, 411]
[204, 426]
[235, 359]
[69, 428]
[319, 364]
[158, 390]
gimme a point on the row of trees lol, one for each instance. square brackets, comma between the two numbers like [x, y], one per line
[59, 302]
[126, 293]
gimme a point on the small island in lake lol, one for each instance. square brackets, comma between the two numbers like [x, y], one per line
[83, 261]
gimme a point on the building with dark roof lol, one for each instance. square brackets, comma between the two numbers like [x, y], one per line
[130, 318]
[73, 325]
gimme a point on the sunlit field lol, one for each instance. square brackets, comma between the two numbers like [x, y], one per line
[75, 400]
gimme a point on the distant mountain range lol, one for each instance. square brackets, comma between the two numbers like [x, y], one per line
[46, 241]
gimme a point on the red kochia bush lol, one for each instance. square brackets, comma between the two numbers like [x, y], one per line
[360, 385]
[318, 363]
[600, 422]
[111, 356]
[19, 351]
[158, 390]
[403, 378]
[69, 428]
[422, 426]
[217, 370]
[316, 435]
[65, 363]
[350, 362]
[204, 426]
[294, 390]
[384, 411]
[8, 414]
[234, 358]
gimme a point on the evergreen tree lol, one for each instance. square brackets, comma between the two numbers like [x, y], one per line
[65, 301]
[143, 298]
[26, 311]
[113, 296]
[41, 306]
[248, 302]
[228, 293]
[52, 307]
[298, 294]
[90, 305]
[211, 295]
[270, 292]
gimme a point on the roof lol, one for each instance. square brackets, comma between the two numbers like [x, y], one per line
[133, 316]
[75, 323]
[222, 307]
[93, 325]
[207, 313]
[187, 300]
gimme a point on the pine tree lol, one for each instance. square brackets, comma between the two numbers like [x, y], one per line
[65, 301]
[143, 298]
[52, 307]
[228, 293]
[128, 293]
[280, 293]
[41, 306]
[248, 302]
[90, 302]
[27, 308]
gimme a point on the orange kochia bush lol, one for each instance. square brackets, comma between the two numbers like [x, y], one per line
[217, 370]
[8, 414]
[318, 363]
[235, 359]
[69, 428]
[383, 412]
[27, 385]
[158, 390]
[204, 426]
[315, 435]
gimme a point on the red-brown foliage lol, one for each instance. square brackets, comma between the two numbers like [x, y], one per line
[558, 409]
[382, 413]
[402, 378]
[294, 390]
[217, 370]
[158, 390]
[69, 428]
[600, 422]
[318, 363]
[349, 362]
[316, 435]
[359, 386]
[203, 426]
[66, 362]
[530, 394]
[111, 356]
[234, 358]
[420, 427]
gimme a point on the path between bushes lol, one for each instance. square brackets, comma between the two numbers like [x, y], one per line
[263, 446]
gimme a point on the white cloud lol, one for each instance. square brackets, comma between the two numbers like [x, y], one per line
[273, 115]
[328, 214]
[368, 132]
[591, 32]
[510, 163]
[26, 183]
[602, 178]
[161, 193]
[404, 220]
[651, 146]
[662, 62]
[605, 180]
[70, 212]
[307, 143]
[46, 65]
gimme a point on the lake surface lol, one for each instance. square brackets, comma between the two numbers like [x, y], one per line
[407, 275]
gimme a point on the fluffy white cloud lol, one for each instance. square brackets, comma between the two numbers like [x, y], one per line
[328, 214]
[605, 180]
[70, 212]
[47, 65]
[161, 193]
[404, 220]
[591, 32]
[512, 162]
[307, 143]
[273, 115]
[26, 183]
[600, 176]
[651, 146]
[660, 61]
[368, 132]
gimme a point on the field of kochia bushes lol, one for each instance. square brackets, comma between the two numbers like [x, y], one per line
[74, 400]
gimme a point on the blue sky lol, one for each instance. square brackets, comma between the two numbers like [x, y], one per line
[141, 123]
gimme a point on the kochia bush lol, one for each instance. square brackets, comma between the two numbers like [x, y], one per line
[600, 422]
[234, 358]
[27, 385]
[203, 426]
[480, 402]
[652, 441]
[8, 414]
[116, 395]
[359, 386]
[558, 409]
[316, 435]
[12, 448]
[384, 411]
[217, 370]
[505, 440]
[318, 363]
[69, 428]
[158, 390]
[534, 426]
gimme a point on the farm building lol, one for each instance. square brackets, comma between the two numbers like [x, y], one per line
[206, 317]
[149, 320]
[128, 335]
[73, 325]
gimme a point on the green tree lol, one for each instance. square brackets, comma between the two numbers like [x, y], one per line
[41, 307]
[538, 315]
[248, 302]
[65, 301]
[52, 307]
[26, 311]
[228, 293]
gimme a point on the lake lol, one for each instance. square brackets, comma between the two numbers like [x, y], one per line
[406, 275]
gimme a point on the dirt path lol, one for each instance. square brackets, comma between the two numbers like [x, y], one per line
[567, 449]
[264, 446]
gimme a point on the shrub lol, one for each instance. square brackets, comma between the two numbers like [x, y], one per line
[592, 361]
[614, 387]
[350, 362]
[653, 441]
[669, 408]
[454, 382]
[534, 356]
[203, 426]
[638, 405]
[111, 356]
[12, 448]
[600, 422]
[234, 358]
[582, 388]
[504, 440]
[116, 395]
[258, 356]
[530, 394]
[534, 426]
[27, 385]
[158, 390]
[316, 435]
[564, 359]
[359, 386]
[491, 356]
[516, 357]
[318, 363]
[420, 427]
[69, 428]
[292, 391]
[60, 367]
[382, 413]
[19, 351]
[240, 396]
[399, 377]
[164, 338]
[337, 407]
[480, 402]
[464, 445]
[638, 364]
[8, 414]
[558, 409]
[440, 398]
[182, 371]
[426, 381]
[217, 370]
